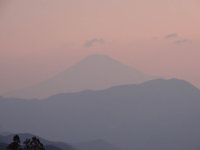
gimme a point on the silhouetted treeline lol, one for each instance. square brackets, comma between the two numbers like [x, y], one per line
[28, 144]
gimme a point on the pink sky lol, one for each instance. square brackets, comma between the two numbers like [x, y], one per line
[40, 38]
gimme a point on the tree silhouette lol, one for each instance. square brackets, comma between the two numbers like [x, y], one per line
[33, 144]
[15, 145]
[36, 144]
[27, 144]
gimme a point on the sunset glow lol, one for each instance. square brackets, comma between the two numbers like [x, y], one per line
[40, 38]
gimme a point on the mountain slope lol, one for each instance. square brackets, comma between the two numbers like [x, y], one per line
[158, 114]
[49, 145]
[94, 72]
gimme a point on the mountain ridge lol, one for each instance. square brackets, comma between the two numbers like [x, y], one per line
[6, 139]
[174, 81]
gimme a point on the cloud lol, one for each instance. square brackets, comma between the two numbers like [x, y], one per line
[173, 35]
[93, 41]
[182, 41]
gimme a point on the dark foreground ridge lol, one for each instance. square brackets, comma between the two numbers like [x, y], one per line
[30, 142]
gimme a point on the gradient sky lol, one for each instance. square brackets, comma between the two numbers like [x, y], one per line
[40, 38]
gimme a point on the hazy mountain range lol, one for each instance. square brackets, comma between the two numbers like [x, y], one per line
[95, 72]
[158, 114]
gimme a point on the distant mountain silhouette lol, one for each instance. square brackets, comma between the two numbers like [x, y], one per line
[49, 145]
[95, 72]
[158, 114]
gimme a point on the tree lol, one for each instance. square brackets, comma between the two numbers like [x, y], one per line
[28, 144]
[36, 144]
[15, 145]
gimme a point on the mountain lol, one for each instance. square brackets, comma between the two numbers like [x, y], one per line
[95, 72]
[95, 145]
[158, 114]
[49, 145]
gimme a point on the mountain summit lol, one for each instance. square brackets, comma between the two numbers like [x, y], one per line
[95, 72]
